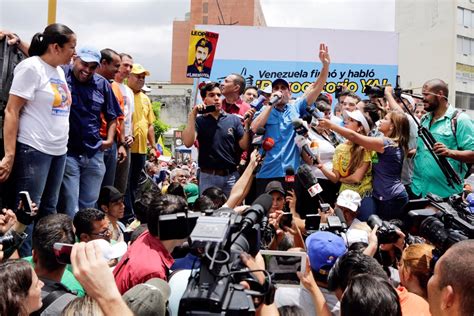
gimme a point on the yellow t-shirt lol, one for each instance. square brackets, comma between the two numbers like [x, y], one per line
[340, 163]
[142, 118]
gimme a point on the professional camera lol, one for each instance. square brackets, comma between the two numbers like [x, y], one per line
[374, 91]
[386, 233]
[216, 288]
[442, 223]
[11, 241]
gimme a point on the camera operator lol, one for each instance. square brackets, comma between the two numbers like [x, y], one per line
[149, 257]
[458, 147]
[450, 287]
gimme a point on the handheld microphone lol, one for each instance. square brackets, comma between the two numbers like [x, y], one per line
[267, 145]
[308, 180]
[275, 99]
[303, 144]
[300, 127]
[288, 184]
[341, 217]
[314, 112]
[257, 139]
[258, 103]
[257, 211]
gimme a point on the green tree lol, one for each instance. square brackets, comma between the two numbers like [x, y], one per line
[159, 126]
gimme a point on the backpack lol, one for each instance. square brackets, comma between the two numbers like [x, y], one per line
[454, 128]
[55, 291]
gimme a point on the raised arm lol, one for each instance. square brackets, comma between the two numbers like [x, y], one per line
[189, 133]
[369, 143]
[317, 87]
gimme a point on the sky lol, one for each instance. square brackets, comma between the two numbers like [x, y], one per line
[143, 28]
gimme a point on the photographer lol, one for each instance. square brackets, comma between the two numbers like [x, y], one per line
[149, 257]
[220, 135]
[458, 147]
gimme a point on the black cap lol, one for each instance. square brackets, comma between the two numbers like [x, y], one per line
[274, 186]
[109, 194]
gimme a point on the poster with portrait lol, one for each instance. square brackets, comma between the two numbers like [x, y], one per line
[202, 47]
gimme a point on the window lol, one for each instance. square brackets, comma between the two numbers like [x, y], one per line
[459, 44]
[205, 7]
[467, 18]
[204, 19]
[464, 100]
[460, 15]
[466, 46]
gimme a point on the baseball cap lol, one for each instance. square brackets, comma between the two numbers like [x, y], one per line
[89, 54]
[139, 69]
[274, 186]
[148, 298]
[349, 199]
[267, 89]
[281, 80]
[192, 192]
[470, 201]
[323, 250]
[110, 251]
[359, 117]
[109, 194]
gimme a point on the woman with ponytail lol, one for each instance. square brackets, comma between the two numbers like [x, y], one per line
[389, 193]
[37, 119]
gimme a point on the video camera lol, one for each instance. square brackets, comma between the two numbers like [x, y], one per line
[374, 91]
[442, 223]
[224, 235]
[386, 233]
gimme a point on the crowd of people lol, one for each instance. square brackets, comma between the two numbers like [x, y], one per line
[107, 225]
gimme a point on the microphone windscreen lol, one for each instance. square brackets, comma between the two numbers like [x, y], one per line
[268, 144]
[306, 176]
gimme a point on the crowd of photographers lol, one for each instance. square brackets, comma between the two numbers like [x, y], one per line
[291, 209]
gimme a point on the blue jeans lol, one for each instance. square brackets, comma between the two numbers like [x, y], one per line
[392, 208]
[225, 183]
[81, 183]
[367, 208]
[110, 161]
[40, 174]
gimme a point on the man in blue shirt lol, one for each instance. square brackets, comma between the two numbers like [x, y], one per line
[277, 121]
[91, 96]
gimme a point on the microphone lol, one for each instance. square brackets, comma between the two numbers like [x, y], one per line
[303, 144]
[289, 184]
[300, 126]
[267, 145]
[341, 217]
[257, 139]
[274, 99]
[314, 112]
[257, 211]
[308, 180]
[258, 103]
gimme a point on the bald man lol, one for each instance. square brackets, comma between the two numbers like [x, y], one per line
[450, 287]
[459, 148]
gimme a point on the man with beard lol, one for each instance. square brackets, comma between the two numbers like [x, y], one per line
[203, 50]
[458, 148]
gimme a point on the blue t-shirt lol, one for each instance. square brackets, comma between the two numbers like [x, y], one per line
[89, 100]
[387, 172]
[219, 141]
[285, 152]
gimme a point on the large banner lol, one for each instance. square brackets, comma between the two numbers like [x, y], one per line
[262, 54]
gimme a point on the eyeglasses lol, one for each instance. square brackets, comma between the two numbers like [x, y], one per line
[105, 233]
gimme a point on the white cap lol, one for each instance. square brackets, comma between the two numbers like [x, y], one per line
[349, 199]
[356, 235]
[110, 251]
[359, 117]
[268, 89]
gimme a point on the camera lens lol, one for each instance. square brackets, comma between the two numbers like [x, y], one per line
[433, 230]
[374, 220]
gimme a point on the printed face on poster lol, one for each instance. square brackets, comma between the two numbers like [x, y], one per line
[202, 48]
[358, 58]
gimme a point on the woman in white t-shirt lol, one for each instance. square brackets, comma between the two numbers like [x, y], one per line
[37, 118]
